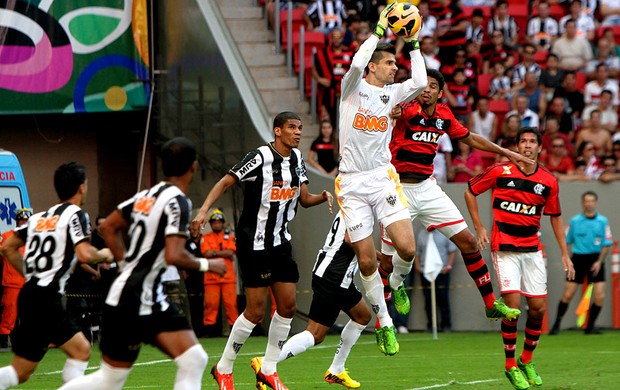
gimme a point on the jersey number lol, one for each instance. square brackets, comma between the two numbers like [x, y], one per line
[41, 251]
[136, 240]
[334, 230]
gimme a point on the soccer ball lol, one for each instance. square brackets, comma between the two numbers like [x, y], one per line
[404, 20]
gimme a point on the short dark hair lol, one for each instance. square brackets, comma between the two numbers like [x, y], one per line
[177, 156]
[68, 178]
[592, 193]
[283, 117]
[382, 47]
[478, 12]
[434, 73]
[532, 130]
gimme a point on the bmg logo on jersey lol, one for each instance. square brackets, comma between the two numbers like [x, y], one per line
[278, 193]
[144, 205]
[370, 123]
[46, 224]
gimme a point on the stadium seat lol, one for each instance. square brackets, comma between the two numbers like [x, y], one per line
[580, 80]
[541, 57]
[312, 39]
[500, 108]
[298, 21]
[615, 29]
[484, 84]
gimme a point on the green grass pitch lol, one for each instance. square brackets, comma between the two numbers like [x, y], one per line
[459, 360]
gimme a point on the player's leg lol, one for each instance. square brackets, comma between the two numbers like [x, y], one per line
[313, 335]
[401, 234]
[189, 356]
[78, 353]
[111, 375]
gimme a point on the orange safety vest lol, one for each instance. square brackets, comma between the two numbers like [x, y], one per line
[10, 276]
[218, 242]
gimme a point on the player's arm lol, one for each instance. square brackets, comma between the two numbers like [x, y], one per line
[472, 207]
[10, 251]
[176, 254]
[86, 253]
[412, 87]
[558, 230]
[111, 231]
[306, 199]
[479, 142]
[218, 189]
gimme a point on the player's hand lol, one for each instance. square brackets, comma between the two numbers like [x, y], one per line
[483, 238]
[106, 255]
[415, 38]
[596, 267]
[568, 267]
[330, 200]
[382, 24]
[396, 113]
[198, 222]
[217, 266]
[516, 158]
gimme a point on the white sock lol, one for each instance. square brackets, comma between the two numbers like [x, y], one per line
[73, 369]
[278, 332]
[8, 377]
[296, 345]
[241, 330]
[191, 364]
[374, 293]
[348, 338]
[401, 270]
[105, 378]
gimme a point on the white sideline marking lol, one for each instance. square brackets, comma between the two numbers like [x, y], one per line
[454, 383]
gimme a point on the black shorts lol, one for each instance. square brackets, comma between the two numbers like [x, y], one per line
[41, 320]
[123, 330]
[265, 267]
[328, 300]
[582, 264]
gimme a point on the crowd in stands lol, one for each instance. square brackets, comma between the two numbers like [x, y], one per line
[552, 65]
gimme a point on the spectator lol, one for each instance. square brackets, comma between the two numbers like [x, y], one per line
[451, 26]
[596, 134]
[610, 11]
[362, 34]
[330, 65]
[601, 82]
[474, 58]
[574, 52]
[557, 109]
[542, 30]
[616, 153]
[584, 23]
[590, 237]
[510, 128]
[482, 121]
[325, 15]
[551, 77]
[528, 117]
[324, 150]
[219, 243]
[557, 160]
[500, 88]
[609, 117]
[573, 98]
[497, 51]
[552, 131]
[475, 30]
[428, 48]
[459, 95]
[605, 54]
[608, 33]
[503, 23]
[586, 154]
[12, 282]
[459, 62]
[466, 164]
[610, 171]
[537, 100]
[447, 252]
[429, 22]
[443, 159]
[527, 65]
[353, 24]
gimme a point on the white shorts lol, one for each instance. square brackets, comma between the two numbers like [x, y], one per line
[521, 272]
[362, 196]
[432, 207]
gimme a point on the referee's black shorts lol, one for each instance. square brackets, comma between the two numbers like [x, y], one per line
[329, 299]
[263, 268]
[582, 264]
[41, 320]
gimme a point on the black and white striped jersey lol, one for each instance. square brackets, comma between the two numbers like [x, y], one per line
[50, 238]
[336, 262]
[272, 189]
[152, 214]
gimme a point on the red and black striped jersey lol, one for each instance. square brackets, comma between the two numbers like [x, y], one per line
[415, 138]
[519, 200]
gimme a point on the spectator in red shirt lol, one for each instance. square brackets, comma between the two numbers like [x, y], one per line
[497, 51]
[460, 98]
[451, 26]
[466, 164]
[557, 159]
[551, 131]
